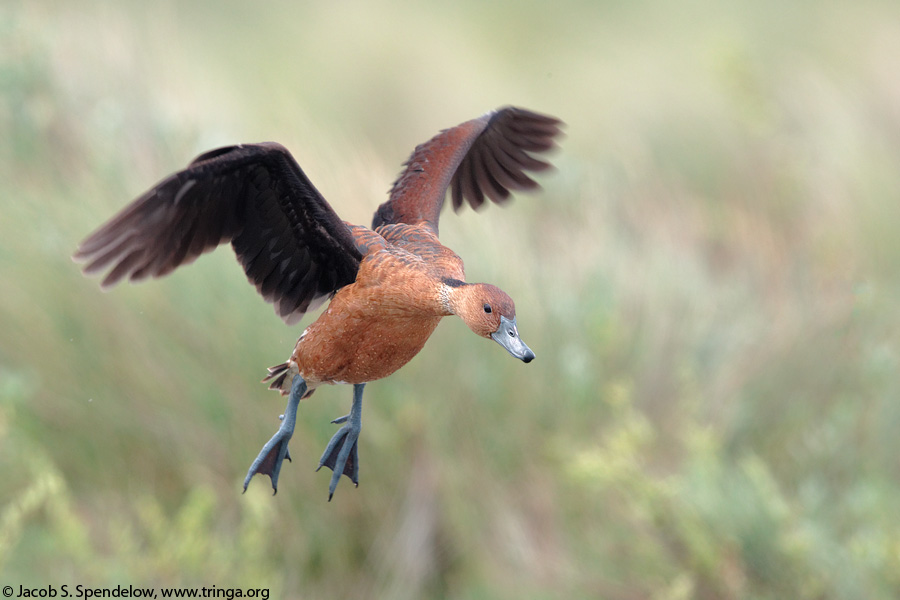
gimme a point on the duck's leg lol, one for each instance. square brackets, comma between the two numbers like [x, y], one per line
[341, 455]
[270, 458]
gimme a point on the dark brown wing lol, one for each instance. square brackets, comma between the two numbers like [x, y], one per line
[487, 156]
[293, 246]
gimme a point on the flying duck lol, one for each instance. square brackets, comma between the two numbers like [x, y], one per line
[388, 285]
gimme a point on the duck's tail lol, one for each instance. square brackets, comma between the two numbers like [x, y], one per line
[281, 377]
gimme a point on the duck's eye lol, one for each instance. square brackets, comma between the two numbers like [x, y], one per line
[487, 308]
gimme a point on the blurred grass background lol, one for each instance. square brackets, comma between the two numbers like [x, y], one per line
[709, 280]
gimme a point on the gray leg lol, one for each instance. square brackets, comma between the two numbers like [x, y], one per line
[276, 449]
[341, 455]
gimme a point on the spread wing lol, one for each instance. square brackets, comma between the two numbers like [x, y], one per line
[488, 156]
[292, 245]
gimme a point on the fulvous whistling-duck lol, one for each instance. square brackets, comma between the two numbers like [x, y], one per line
[389, 285]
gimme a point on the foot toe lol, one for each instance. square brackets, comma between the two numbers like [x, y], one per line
[342, 457]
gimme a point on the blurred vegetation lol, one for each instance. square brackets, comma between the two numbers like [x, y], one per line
[709, 280]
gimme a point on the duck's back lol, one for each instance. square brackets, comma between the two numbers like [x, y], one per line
[441, 262]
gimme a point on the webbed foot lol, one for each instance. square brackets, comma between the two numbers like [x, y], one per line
[272, 455]
[342, 453]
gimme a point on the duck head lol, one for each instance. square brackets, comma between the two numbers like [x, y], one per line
[489, 312]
